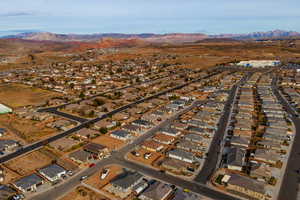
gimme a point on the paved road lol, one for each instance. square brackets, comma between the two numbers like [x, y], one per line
[44, 142]
[54, 108]
[68, 116]
[288, 190]
[211, 161]
[118, 158]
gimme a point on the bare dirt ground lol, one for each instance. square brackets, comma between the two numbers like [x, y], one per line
[154, 156]
[97, 183]
[28, 163]
[109, 142]
[27, 130]
[82, 193]
[18, 95]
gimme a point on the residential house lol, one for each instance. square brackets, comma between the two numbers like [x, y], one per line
[264, 172]
[235, 159]
[170, 131]
[2, 131]
[96, 150]
[268, 144]
[121, 135]
[162, 138]
[240, 141]
[86, 133]
[267, 156]
[126, 181]
[151, 145]
[28, 183]
[180, 194]
[179, 126]
[80, 156]
[157, 191]
[194, 138]
[190, 146]
[6, 192]
[142, 123]
[8, 145]
[182, 155]
[53, 172]
[132, 129]
[175, 165]
[242, 184]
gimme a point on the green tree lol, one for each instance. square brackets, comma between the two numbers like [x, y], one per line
[103, 130]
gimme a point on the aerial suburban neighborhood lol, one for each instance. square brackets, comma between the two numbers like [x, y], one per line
[149, 100]
[164, 133]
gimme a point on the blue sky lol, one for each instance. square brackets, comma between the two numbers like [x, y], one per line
[148, 16]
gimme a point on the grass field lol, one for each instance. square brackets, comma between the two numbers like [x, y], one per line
[18, 95]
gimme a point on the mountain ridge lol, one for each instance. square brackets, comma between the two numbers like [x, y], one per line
[149, 37]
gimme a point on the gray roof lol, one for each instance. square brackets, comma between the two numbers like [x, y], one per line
[193, 137]
[181, 195]
[240, 140]
[185, 144]
[141, 122]
[195, 129]
[52, 171]
[120, 133]
[182, 154]
[2, 130]
[246, 182]
[169, 130]
[6, 143]
[28, 181]
[94, 147]
[236, 156]
[157, 191]
[80, 155]
[127, 179]
[6, 192]
[131, 127]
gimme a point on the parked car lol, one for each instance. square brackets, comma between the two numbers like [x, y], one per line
[104, 174]
[83, 178]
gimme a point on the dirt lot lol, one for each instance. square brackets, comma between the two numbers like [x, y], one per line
[28, 130]
[108, 141]
[82, 193]
[17, 95]
[27, 164]
[9, 175]
[141, 158]
[9, 135]
[97, 183]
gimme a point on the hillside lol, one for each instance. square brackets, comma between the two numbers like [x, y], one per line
[150, 37]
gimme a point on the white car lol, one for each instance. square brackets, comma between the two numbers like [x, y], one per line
[83, 178]
[104, 174]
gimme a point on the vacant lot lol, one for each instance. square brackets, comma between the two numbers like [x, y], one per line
[111, 143]
[27, 164]
[18, 95]
[97, 183]
[154, 156]
[10, 176]
[82, 193]
[28, 130]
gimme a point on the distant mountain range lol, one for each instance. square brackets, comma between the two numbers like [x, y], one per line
[149, 37]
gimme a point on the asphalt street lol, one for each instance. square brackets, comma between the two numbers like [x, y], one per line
[291, 179]
[118, 157]
[44, 142]
[68, 116]
[211, 161]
